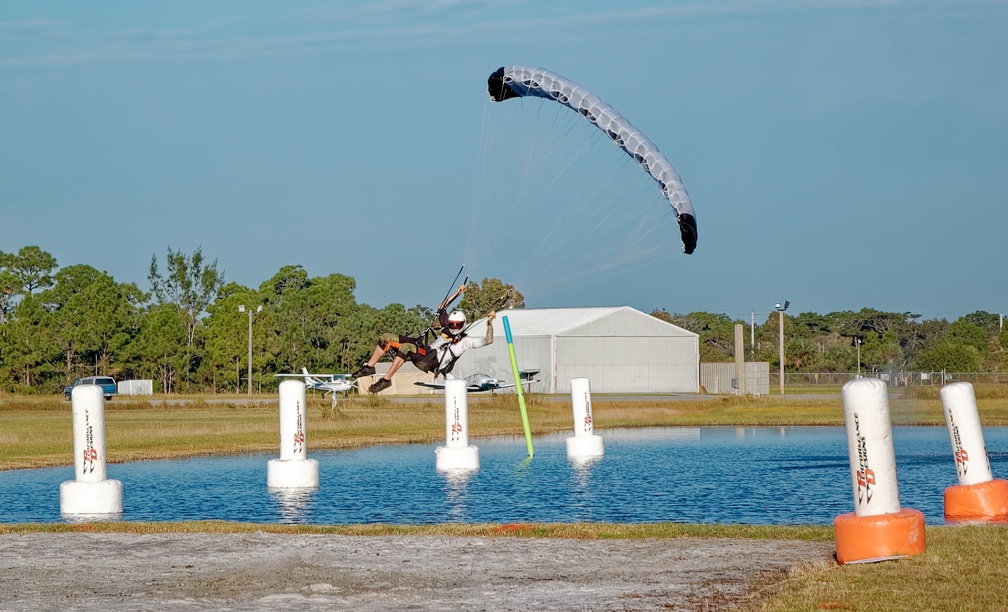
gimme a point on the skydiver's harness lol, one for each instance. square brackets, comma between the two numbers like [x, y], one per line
[426, 358]
[446, 349]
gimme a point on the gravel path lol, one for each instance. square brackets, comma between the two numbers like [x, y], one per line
[261, 571]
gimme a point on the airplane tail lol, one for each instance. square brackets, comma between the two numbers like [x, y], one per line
[308, 378]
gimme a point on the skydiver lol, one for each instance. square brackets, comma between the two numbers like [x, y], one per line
[438, 357]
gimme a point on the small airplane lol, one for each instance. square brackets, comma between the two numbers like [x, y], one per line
[326, 383]
[476, 383]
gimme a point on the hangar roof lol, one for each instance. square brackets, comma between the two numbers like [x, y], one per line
[602, 321]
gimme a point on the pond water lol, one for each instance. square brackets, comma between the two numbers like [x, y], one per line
[778, 476]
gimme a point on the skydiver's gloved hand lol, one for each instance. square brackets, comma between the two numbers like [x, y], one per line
[491, 316]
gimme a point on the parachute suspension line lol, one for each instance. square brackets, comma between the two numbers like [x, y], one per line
[491, 209]
[424, 335]
[591, 214]
[543, 259]
[507, 215]
[632, 249]
[477, 198]
[616, 235]
[452, 286]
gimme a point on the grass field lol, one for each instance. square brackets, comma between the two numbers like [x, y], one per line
[36, 432]
[965, 567]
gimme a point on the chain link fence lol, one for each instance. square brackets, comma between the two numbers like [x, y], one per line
[894, 378]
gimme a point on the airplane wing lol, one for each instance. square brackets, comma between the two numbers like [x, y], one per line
[499, 386]
[525, 381]
[322, 377]
[470, 388]
[475, 388]
[430, 385]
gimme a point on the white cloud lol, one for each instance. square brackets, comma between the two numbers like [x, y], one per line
[385, 24]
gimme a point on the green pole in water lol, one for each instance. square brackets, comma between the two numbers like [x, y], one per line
[518, 386]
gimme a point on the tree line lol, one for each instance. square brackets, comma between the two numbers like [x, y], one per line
[188, 334]
[841, 341]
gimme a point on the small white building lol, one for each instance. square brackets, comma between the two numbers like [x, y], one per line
[618, 349]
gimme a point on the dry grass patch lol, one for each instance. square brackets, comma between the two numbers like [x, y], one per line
[37, 431]
[583, 531]
[964, 568]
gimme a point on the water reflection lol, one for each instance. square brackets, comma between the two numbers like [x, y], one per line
[581, 470]
[652, 433]
[794, 475]
[92, 518]
[456, 484]
[293, 503]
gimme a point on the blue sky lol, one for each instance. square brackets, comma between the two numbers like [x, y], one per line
[840, 153]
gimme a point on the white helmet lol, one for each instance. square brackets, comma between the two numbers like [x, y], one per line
[456, 321]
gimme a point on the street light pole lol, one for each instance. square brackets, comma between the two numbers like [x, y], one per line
[241, 308]
[752, 335]
[780, 309]
[857, 342]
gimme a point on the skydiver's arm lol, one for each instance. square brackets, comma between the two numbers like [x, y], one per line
[489, 332]
[448, 300]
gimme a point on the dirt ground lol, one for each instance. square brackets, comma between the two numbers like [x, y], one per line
[261, 571]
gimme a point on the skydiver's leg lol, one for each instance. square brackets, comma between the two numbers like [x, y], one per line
[378, 353]
[385, 342]
[386, 381]
[404, 348]
[396, 364]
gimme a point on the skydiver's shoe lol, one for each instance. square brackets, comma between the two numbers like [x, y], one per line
[365, 370]
[381, 385]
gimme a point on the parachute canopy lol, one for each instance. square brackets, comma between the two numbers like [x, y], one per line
[519, 81]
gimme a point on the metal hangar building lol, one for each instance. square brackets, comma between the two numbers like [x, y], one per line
[618, 349]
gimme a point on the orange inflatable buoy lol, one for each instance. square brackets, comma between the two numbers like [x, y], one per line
[879, 537]
[984, 500]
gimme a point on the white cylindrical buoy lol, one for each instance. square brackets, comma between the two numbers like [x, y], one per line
[879, 528]
[978, 496]
[91, 492]
[870, 447]
[456, 454]
[293, 469]
[292, 421]
[965, 433]
[585, 443]
[456, 414]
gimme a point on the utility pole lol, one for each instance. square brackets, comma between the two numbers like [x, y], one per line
[752, 335]
[780, 309]
[241, 308]
[857, 342]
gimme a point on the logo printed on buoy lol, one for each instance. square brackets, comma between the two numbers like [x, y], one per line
[90, 454]
[960, 454]
[299, 436]
[865, 475]
[456, 427]
[962, 460]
